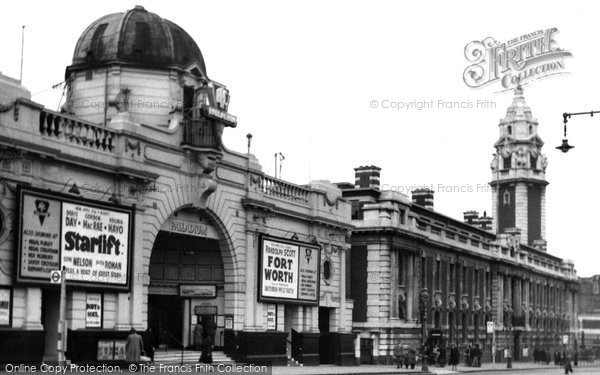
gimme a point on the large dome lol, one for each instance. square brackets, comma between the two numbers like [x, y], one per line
[136, 37]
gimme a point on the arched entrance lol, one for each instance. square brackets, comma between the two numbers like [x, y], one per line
[187, 279]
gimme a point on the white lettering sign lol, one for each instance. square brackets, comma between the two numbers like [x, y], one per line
[289, 271]
[95, 244]
[93, 310]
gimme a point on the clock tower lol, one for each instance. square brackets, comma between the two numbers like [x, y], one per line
[518, 175]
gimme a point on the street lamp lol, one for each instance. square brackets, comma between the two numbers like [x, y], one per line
[423, 302]
[508, 328]
[565, 147]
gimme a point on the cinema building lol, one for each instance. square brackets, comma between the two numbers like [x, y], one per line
[155, 222]
[413, 265]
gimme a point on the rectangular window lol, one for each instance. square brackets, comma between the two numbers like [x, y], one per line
[423, 273]
[401, 272]
[357, 212]
[438, 275]
[463, 280]
[476, 283]
[452, 276]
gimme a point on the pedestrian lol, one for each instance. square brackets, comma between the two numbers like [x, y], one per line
[436, 354]
[568, 368]
[398, 355]
[477, 356]
[454, 356]
[150, 344]
[468, 357]
[576, 358]
[133, 347]
[198, 336]
[412, 357]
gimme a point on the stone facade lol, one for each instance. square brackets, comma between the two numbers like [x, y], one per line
[157, 162]
[481, 270]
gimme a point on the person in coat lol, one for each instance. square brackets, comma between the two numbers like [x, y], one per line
[412, 357]
[454, 357]
[133, 347]
[150, 344]
[198, 336]
[398, 356]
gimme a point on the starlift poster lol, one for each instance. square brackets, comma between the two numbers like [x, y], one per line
[288, 271]
[91, 240]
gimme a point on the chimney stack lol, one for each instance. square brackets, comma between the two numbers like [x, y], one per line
[367, 177]
[485, 222]
[471, 217]
[423, 197]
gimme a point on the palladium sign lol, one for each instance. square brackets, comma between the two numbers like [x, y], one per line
[526, 58]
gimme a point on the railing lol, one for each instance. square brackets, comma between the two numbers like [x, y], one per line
[281, 189]
[200, 133]
[56, 125]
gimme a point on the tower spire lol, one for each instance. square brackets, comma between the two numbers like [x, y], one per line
[518, 174]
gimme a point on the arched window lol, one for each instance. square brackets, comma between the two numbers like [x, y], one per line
[436, 319]
[476, 326]
[509, 129]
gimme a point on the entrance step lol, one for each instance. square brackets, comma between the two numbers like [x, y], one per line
[291, 362]
[173, 356]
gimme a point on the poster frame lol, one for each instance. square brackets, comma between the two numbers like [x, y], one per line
[22, 190]
[297, 300]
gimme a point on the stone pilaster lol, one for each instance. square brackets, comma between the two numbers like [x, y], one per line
[543, 213]
[495, 209]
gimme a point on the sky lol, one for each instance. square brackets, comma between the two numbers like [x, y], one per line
[310, 79]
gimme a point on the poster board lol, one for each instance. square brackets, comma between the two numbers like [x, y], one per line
[289, 271]
[93, 241]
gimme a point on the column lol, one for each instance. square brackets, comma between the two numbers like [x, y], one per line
[342, 292]
[393, 304]
[187, 328]
[123, 311]
[410, 287]
[254, 309]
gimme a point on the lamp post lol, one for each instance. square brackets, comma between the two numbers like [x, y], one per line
[508, 336]
[423, 302]
[565, 147]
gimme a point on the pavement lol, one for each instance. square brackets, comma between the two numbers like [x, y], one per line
[390, 369]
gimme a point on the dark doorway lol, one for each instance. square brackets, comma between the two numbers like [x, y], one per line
[366, 351]
[188, 102]
[326, 352]
[323, 319]
[50, 314]
[516, 345]
[164, 317]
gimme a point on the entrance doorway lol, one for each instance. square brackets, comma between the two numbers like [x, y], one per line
[517, 345]
[326, 349]
[164, 317]
[50, 313]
